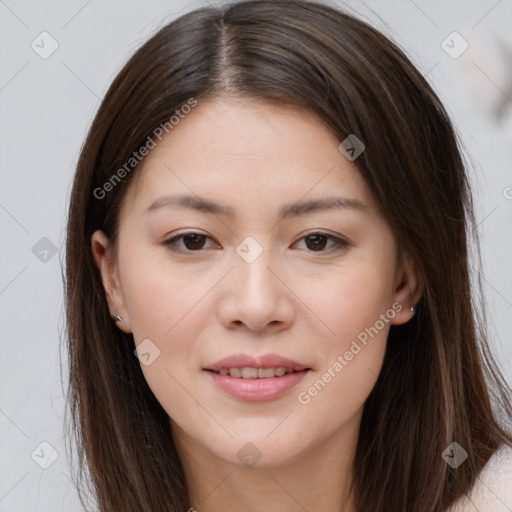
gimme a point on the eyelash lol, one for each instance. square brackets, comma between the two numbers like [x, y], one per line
[339, 243]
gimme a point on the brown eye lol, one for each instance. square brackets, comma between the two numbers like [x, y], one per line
[192, 242]
[316, 242]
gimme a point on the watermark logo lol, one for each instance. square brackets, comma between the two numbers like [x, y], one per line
[44, 455]
[147, 352]
[454, 455]
[454, 45]
[44, 45]
[351, 147]
[249, 249]
[249, 455]
[44, 250]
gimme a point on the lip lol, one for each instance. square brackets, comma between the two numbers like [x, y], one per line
[264, 361]
[256, 390]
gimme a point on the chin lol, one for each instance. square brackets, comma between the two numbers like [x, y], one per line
[257, 451]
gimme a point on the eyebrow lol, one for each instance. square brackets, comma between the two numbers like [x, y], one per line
[207, 206]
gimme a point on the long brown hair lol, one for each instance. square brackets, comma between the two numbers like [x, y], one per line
[439, 384]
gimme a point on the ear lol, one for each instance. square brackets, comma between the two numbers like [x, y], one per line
[103, 256]
[408, 289]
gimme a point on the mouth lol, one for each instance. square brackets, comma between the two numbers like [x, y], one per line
[256, 373]
[256, 379]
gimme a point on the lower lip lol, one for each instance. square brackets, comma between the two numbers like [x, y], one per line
[257, 390]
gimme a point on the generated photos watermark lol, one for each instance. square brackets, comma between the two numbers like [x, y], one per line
[158, 133]
[305, 397]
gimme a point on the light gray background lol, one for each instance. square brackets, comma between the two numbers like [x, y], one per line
[46, 108]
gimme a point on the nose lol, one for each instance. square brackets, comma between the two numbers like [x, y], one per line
[255, 295]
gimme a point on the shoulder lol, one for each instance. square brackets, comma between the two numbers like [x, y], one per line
[492, 491]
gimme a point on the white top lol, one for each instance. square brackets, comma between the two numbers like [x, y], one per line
[492, 491]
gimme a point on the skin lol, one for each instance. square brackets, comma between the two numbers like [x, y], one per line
[299, 301]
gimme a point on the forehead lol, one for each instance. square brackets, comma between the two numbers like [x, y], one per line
[247, 149]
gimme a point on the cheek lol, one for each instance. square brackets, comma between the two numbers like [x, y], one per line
[352, 300]
[167, 305]
[357, 308]
[161, 296]
[359, 313]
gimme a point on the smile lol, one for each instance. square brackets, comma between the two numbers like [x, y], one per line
[253, 373]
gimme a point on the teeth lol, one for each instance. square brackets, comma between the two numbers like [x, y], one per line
[265, 373]
[249, 373]
[235, 372]
[255, 373]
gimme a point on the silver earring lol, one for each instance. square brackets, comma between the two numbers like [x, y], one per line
[413, 309]
[117, 318]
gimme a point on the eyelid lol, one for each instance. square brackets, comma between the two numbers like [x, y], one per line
[340, 242]
[170, 241]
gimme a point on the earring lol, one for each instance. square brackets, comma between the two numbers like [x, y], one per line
[413, 309]
[117, 318]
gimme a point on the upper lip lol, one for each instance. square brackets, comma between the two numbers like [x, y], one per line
[264, 361]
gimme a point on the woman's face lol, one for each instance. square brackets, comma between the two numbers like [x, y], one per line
[271, 272]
